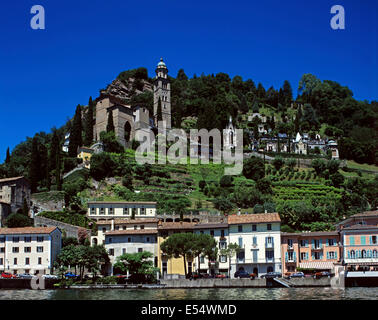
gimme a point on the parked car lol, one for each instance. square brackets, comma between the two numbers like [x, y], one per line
[297, 275]
[71, 275]
[221, 276]
[7, 275]
[242, 274]
[321, 274]
[272, 275]
[50, 276]
[25, 276]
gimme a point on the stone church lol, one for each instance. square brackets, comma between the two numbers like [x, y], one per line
[127, 119]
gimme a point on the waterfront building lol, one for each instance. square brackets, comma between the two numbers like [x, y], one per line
[29, 250]
[258, 236]
[219, 231]
[119, 242]
[108, 210]
[173, 267]
[309, 251]
[360, 247]
[362, 218]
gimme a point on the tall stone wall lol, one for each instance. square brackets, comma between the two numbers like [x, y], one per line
[68, 229]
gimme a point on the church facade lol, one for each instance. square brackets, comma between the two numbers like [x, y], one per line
[127, 119]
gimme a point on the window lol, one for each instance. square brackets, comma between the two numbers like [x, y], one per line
[1, 261]
[40, 239]
[27, 239]
[2, 239]
[254, 241]
[351, 240]
[240, 255]
[16, 239]
[27, 249]
[110, 240]
[140, 249]
[331, 255]
[135, 227]
[373, 240]
[352, 254]
[223, 258]
[363, 240]
[212, 233]
[125, 211]
[290, 243]
[331, 242]
[123, 250]
[102, 211]
[222, 245]
[304, 243]
[142, 211]
[111, 252]
[304, 256]
[254, 227]
[222, 233]
[142, 227]
[148, 239]
[269, 226]
[2, 250]
[39, 249]
[240, 242]
[15, 249]
[111, 211]
[316, 244]
[240, 228]
[117, 227]
[317, 256]
[93, 211]
[270, 254]
[129, 239]
[27, 261]
[103, 230]
[290, 255]
[15, 261]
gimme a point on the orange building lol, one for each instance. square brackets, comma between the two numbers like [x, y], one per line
[309, 251]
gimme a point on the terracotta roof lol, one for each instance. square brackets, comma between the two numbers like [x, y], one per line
[125, 232]
[128, 221]
[365, 214]
[28, 230]
[176, 225]
[211, 226]
[11, 179]
[310, 234]
[254, 218]
[122, 202]
[361, 227]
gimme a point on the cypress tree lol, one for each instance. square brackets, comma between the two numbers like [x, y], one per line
[110, 126]
[34, 167]
[76, 133]
[25, 208]
[159, 114]
[57, 171]
[89, 124]
[7, 158]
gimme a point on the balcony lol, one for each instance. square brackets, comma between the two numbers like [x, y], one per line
[269, 260]
[269, 245]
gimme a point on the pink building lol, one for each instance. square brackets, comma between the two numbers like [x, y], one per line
[309, 251]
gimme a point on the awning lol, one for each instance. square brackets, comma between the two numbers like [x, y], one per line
[317, 265]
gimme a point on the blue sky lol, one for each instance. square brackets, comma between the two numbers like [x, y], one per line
[44, 74]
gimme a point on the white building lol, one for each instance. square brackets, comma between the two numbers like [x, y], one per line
[220, 233]
[119, 242]
[29, 250]
[106, 210]
[258, 236]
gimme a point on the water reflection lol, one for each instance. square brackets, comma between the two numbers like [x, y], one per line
[194, 294]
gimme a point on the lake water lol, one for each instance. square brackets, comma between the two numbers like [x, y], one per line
[327, 293]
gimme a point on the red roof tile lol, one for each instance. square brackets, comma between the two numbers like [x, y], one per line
[27, 230]
[253, 218]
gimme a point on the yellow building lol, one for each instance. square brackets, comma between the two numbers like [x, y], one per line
[85, 153]
[173, 266]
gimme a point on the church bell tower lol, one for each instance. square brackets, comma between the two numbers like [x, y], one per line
[162, 90]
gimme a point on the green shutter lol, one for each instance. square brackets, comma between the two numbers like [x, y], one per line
[327, 255]
[336, 255]
[286, 256]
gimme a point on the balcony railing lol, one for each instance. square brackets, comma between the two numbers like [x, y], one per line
[269, 245]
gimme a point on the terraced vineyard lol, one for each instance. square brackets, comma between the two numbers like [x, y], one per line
[302, 191]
